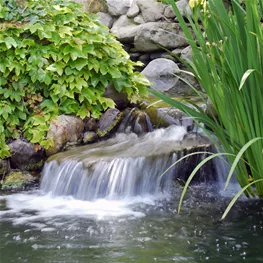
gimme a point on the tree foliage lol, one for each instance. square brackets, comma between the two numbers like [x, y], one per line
[56, 59]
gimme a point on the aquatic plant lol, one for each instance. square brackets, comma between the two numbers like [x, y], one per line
[56, 59]
[227, 45]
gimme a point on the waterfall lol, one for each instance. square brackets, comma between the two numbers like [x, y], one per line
[118, 178]
[125, 166]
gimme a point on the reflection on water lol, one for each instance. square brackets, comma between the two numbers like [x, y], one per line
[41, 229]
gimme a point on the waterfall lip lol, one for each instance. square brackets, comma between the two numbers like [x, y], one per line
[157, 143]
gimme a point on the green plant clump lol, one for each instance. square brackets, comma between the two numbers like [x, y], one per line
[228, 63]
[56, 59]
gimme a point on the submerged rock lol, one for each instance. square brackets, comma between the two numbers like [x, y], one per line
[66, 129]
[25, 156]
[108, 122]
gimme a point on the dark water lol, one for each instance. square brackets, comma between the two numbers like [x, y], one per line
[42, 229]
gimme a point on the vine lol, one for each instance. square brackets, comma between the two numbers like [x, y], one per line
[56, 59]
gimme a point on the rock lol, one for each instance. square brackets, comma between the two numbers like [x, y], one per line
[177, 51]
[151, 10]
[108, 122]
[127, 47]
[90, 137]
[63, 130]
[160, 117]
[90, 124]
[141, 123]
[188, 77]
[25, 156]
[17, 180]
[120, 99]
[92, 6]
[135, 56]
[161, 72]
[169, 56]
[4, 167]
[106, 19]
[133, 11]
[151, 36]
[125, 29]
[187, 54]
[169, 12]
[136, 121]
[118, 7]
[145, 58]
[196, 143]
[156, 55]
[139, 20]
[184, 8]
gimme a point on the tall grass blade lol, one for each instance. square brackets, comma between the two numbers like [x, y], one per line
[238, 157]
[233, 201]
[244, 78]
[193, 174]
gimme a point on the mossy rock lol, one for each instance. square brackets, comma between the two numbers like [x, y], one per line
[109, 122]
[93, 6]
[4, 166]
[17, 180]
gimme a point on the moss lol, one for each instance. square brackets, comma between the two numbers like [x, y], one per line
[3, 167]
[16, 181]
[111, 127]
[34, 166]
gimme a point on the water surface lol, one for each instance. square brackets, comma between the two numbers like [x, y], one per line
[40, 229]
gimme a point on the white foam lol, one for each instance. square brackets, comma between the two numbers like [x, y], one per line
[26, 208]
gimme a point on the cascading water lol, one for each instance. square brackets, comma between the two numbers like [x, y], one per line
[122, 167]
[111, 177]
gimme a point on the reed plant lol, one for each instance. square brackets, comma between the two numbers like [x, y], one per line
[227, 61]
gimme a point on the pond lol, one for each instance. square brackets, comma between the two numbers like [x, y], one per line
[40, 228]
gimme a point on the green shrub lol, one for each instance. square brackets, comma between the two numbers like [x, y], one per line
[56, 59]
[228, 63]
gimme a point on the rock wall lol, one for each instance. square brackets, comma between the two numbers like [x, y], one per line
[150, 33]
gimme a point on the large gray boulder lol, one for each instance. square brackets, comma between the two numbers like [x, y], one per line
[25, 156]
[151, 10]
[149, 36]
[161, 72]
[125, 29]
[118, 7]
[65, 129]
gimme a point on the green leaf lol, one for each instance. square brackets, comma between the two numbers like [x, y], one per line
[10, 42]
